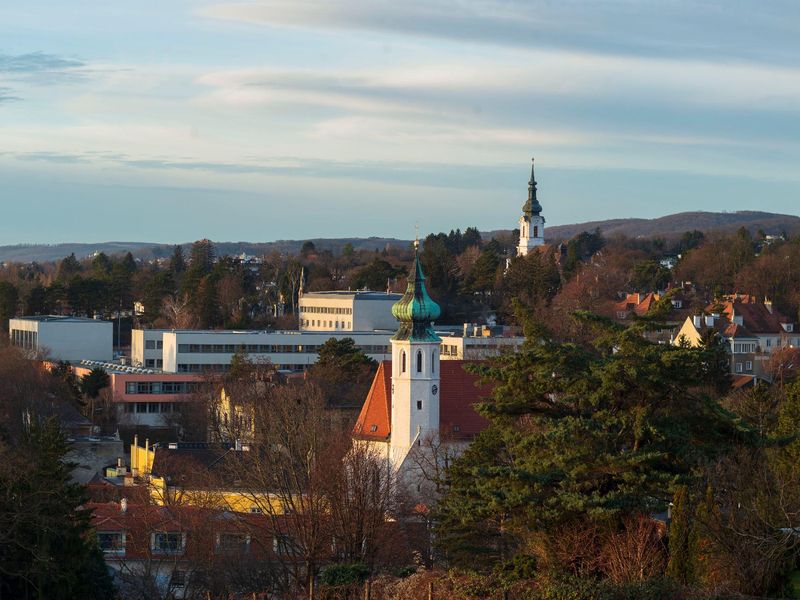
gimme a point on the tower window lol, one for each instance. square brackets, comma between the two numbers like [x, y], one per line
[402, 362]
[433, 361]
[419, 361]
[535, 231]
[419, 404]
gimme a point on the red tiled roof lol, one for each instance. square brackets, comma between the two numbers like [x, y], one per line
[756, 317]
[374, 421]
[458, 394]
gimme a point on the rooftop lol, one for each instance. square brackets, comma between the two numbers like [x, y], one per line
[59, 319]
[356, 295]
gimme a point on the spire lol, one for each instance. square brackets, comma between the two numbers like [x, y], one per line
[532, 206]
[416, 309]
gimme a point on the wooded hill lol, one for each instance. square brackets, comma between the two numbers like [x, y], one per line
[669, 226]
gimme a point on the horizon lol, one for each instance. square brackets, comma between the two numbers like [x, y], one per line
[278, 120]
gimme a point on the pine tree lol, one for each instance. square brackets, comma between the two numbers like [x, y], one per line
[681, 566]
[583, 435]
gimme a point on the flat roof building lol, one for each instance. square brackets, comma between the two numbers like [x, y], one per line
[63, 338]
[347, 311]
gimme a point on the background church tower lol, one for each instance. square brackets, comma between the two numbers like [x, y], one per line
[415, 367]
[531, 223]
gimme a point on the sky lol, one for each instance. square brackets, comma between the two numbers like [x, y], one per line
[178, 120]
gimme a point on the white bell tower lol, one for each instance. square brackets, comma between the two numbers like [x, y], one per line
[531, 223]
[415, 369]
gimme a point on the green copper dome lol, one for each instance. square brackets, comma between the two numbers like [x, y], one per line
[532, 206]
[416, 309]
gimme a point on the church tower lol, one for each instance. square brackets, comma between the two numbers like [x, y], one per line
[531, 223]
[415, 367]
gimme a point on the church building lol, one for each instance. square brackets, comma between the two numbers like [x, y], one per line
[417, 400]
[531, 223]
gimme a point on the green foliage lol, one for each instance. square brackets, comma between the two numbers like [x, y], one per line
[343, 372]
[9, 300]
[47, 549]
[580, 248]
[682, 559]
[581, 435]
[94, 381]
[335, 575]
[650, 275]
[375, 275]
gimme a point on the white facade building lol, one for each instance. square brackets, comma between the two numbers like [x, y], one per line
[347, 311]
[147, 347]
[63, 338]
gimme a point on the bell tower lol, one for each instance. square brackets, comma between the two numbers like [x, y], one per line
[415, 367]
[531, 223]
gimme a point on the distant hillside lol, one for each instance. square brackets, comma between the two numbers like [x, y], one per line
[675, 225]
[669, 226]
[46, 252]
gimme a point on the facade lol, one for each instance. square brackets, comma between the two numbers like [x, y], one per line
[63, 338]
[147, 348]
[153, 399]
[531, 223]
[336, 311]
[168, 551]
[199, 351]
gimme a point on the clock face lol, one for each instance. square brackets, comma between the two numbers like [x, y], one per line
[435, 389]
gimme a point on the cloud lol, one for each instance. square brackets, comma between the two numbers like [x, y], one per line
[654, 28]
[7, 95]
[40, 68]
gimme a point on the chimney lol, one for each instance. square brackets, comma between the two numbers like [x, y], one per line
[123, 505]
[238, 445]
[466, 327]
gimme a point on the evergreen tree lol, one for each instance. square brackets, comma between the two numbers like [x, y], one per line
[584, 435]
[94, 381]
[681, 566]
[177, 264]
[9, 300]
[47, 549]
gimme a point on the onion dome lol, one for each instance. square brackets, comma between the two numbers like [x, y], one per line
[416, 309]
[532, 206]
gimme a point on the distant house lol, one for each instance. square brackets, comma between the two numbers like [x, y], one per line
[639, 305]
[170, 551]
[751, 331]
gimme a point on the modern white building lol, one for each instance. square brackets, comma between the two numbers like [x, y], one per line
[531, 223]
[147, 348]
[347, 311]
[192, 351]
[63, 338]
[198, 351]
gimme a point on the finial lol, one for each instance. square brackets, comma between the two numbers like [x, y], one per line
[416, 236]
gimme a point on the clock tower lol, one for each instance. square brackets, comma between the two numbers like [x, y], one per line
[531, 223]
[415, 367]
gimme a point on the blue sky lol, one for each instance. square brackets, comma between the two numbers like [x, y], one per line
[273, 119]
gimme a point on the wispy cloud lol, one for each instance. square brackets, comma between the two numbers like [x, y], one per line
[642, 27]
[40, 68]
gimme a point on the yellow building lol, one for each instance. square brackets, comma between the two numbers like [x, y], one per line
[200, 474]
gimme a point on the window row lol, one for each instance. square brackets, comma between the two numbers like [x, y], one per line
[160, 387]
[153, 344]
[331, 324]
[249, 348]
[153, 407]
[25, 339]
[327, 310]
